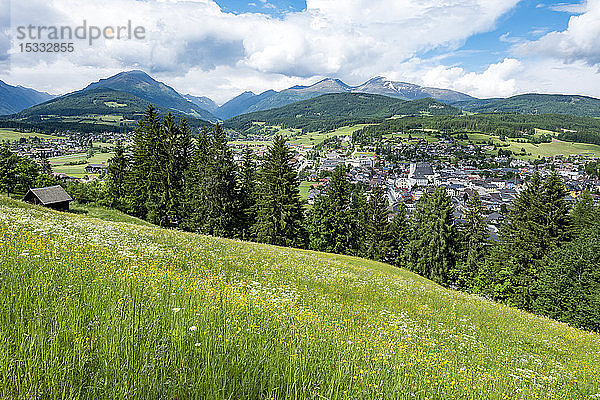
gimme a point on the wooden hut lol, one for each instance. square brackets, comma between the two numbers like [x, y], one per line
[53, 197]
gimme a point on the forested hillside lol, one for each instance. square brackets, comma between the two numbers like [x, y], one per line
[334, 110]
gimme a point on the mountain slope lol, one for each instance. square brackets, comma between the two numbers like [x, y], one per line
[333, 110]
[378, 85]
[409, 91]
[104, 306]
[202, 102]
[142, 85]
[16, 98]
[581, 106]
[241, 104]
[103, 106]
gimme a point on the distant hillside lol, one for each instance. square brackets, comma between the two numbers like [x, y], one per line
[202, 102]
[536, 104]
[334, 110]
[378, 85]
[16, 98]
[102, 307]
[140, 84]
[103, 106]
[241, 104]
[409, 91]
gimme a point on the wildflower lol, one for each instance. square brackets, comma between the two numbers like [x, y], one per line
[176, 309]
[193, 328]
[197, 344]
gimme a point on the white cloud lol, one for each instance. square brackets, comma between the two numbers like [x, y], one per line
[497, 80]
[351, 39]
[576, 8]
[579, 42]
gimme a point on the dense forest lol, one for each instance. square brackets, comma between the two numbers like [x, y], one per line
[331, 111]
[569, 128]
[582, 106]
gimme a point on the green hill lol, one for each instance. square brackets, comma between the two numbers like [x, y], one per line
[16, 98]
[332, 111]
[142, 85]
[95, 309]
[108, 108]
[581, 106]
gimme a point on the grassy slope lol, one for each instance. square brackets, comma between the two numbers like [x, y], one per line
[77, 171]
[96, 309]
[10, 135]
[556, 147]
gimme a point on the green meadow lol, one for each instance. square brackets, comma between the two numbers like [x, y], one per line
[95, 309]
[60, 164]
[10, 135]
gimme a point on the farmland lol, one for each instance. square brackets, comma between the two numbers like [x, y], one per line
[9, 135]
[60, 164]
[97, 309]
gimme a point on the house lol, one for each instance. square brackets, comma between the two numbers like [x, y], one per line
[53, 197]
[95, 168]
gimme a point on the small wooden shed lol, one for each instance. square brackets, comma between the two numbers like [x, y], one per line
[53, 197]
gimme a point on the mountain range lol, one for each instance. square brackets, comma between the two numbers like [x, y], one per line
[249, 102]
[330, 111]
[581, 106]
[16, 98]
[125, 95]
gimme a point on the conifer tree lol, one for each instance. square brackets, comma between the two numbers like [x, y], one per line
[280, 215]
[144, 166]
[331, 223]
[117, 179]
[247, 195]
[474, 235]
[8, 166]
[433, 246]
[378, 240]
[584, 213]
[537, 224]
[400, 231]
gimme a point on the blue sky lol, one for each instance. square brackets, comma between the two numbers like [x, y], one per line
[220, 48]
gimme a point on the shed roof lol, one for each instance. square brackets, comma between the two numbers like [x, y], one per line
[50, 195]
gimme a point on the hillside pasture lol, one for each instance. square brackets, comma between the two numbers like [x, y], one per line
[101, 310]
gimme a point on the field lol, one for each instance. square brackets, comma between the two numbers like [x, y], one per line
[295, 136]
[315, 138]
[556, 147]
[77, 171]
[304, 188]
[10, 135]
[94, 309]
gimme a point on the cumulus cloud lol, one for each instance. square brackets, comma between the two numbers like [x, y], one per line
[579, 42]
[497, 80]
[354, 38]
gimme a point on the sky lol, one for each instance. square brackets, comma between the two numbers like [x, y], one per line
[221, 48]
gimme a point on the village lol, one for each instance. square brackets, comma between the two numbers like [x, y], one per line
[407, 167]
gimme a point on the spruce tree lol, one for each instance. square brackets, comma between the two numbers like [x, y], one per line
[8, 166]
[331, 223]
[399, 229]
[378, 239]
[247, 195]
[280, 215]
[145, 164]
[117, 179]
[473, 236]
[538, 223]
[584, 213]
[433, 246]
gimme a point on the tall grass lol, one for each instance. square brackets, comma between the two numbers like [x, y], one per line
[94, 309]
